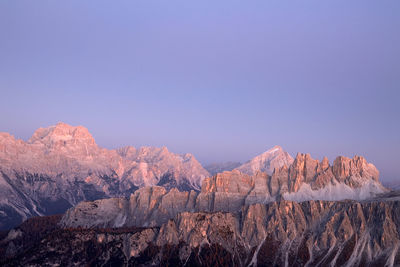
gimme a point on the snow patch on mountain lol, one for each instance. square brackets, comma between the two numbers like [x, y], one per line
[273, 150]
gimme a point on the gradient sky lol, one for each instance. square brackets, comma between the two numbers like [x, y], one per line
[224, 80]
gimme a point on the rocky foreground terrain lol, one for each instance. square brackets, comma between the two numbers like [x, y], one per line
[283, 233]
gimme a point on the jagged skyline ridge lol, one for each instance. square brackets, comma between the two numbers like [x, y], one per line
[244, 166]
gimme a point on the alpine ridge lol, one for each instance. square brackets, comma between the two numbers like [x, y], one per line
[306, 179]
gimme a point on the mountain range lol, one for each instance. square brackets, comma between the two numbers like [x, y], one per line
[61, 165]
[148, 206]
[235, 220]
[306, 179]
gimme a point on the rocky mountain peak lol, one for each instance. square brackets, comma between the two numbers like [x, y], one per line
[307, 174]
[274, 149]
[189, 158]
[7, 143]
[273, 152]
[358, 166]
[325, 163]
[303, 170]
[6, 139]
[303, 158]
[4, 135]
[62, 134]
[273, 158]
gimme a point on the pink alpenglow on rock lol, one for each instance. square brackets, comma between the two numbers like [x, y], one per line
[61, 165]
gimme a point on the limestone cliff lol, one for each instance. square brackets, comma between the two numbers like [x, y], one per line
[306, 179]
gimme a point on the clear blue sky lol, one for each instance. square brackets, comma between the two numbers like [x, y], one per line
[224, 80]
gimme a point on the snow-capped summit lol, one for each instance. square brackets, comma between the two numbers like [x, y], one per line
[273, 158]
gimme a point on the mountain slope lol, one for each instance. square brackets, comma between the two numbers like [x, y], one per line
[267, 161]
[61, 165]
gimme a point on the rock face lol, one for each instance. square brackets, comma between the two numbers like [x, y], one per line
[283, 233]
[306, 179]
[274, 158]
[62, 165]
